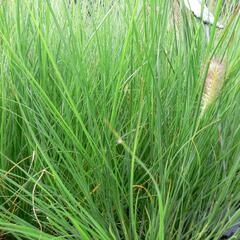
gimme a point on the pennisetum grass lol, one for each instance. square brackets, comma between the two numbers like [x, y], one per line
[100, 134]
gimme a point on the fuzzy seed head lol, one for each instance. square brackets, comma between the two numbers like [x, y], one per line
[213, 83]
[176, 14]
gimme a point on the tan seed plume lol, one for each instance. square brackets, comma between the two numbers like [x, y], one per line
[213, 83]
[176, 14]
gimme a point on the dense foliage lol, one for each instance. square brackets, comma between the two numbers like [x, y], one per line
[102, 129]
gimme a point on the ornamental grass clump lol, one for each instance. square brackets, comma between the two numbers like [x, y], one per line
[100, 136]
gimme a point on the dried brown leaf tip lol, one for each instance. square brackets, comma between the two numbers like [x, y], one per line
[213, 83]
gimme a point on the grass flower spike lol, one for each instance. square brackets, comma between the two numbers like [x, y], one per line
[213, 83]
